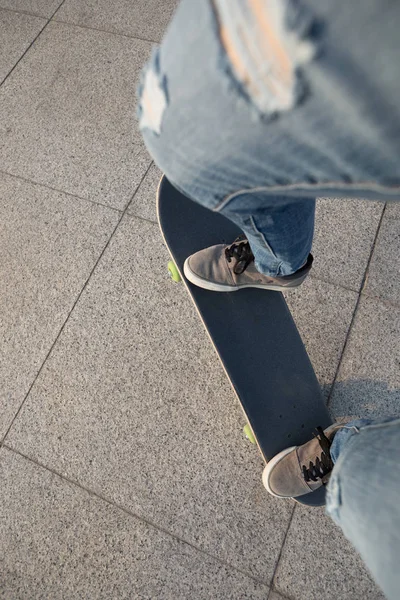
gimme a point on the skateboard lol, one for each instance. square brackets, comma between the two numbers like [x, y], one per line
[253, 334]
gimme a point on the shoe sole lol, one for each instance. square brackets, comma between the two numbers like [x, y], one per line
[270, 466]
[220, 287]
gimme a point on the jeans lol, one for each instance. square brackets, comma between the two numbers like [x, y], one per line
[363, 495]
[255, 108]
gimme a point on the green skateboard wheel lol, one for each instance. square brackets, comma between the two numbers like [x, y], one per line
[173, 271]
[249, 434]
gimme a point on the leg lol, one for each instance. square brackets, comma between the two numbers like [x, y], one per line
[212, 145]
[279, 230]
[363, 495]
[360, 462]
[244, 115]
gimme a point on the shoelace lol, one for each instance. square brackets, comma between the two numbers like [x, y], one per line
[241, 252]
[323, 464]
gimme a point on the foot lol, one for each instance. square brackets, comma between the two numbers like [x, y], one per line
[301, 469]
[229, 268]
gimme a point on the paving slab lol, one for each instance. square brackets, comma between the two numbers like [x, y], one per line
[134, 404]
[317, 559]
[383, 279]
[17, 32]
[146, 19]
[68, 114]
[58, 541]
[144, 201]
[275, 596]
[323, 313]
[345, 230]
[49, 243]
[368, 382]
[43, 8]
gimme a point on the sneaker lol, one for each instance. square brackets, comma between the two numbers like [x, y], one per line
[229, 268]
[301, 469]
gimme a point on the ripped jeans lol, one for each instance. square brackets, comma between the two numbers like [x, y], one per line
[363, 495]
[255, 108]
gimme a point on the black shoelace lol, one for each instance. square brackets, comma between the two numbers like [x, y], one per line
[241, 252]
[323, 464]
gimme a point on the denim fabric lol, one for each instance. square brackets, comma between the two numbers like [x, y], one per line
[237, 129]
[254, 109]
[363, 495]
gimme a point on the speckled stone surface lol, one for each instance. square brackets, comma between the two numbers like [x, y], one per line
[16, 33]
[67, 114]
[368, 383]
[145, 19]
[133, 403]
[344, 233]
[275, 596]
[57, 542]
[318, 561]
[383, 278]
[144, 201]
[43, 8]
[49, 243]
[323, 313]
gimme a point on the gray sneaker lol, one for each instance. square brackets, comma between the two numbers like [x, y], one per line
[301, 469]
[229, 268]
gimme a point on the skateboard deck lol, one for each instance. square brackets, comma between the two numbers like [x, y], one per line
[254, 335]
